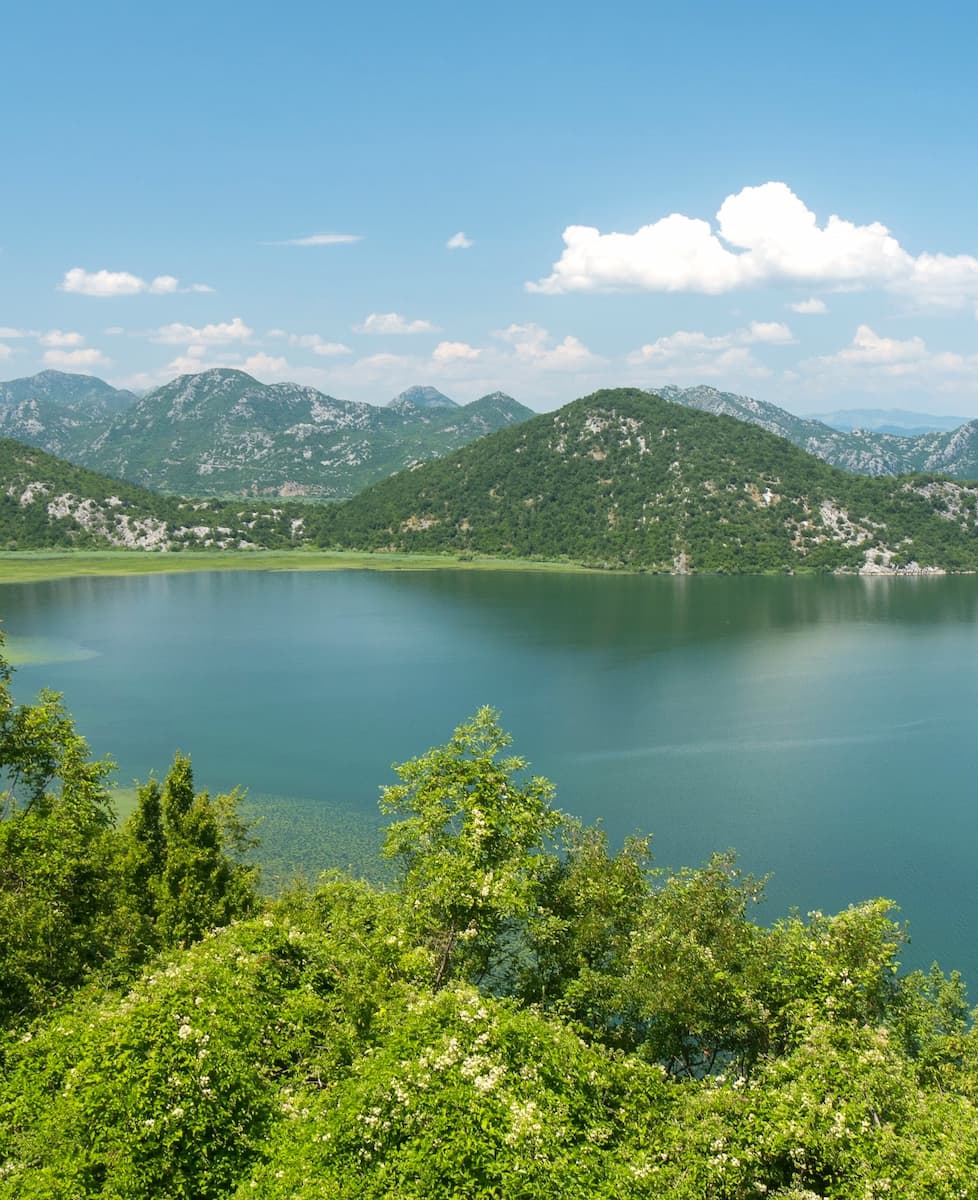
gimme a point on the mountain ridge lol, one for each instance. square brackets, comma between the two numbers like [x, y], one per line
[865, 452]
[222, 431]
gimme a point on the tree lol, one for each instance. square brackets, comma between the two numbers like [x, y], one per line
[183, 858]
[470, 845]
[59, 919]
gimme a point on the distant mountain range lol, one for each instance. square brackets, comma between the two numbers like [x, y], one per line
[866, 452]
[900, 421]
[221, 432]
[624, 478]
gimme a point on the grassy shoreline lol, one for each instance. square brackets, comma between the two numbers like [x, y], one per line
[30, 566]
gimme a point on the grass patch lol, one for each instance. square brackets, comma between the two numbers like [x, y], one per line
[27, 566]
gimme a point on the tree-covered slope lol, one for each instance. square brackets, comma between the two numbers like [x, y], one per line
[622, 477]
[46, 502]
[222, 432]
[866, 451]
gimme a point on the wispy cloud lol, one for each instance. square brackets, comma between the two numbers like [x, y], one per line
[459, 241]
[393, 323]
[311, 341]
[320, 239]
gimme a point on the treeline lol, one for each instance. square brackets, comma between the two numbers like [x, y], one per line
[526, 1013]
[622, 478]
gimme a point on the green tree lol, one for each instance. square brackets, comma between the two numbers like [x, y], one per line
[470, 845]
[59, 884]
[184, 859]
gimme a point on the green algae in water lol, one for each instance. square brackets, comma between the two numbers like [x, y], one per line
[36, 651]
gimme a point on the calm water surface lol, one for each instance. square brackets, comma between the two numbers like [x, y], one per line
[825, 728]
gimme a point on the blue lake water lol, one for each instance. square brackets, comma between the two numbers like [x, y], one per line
[825, 728]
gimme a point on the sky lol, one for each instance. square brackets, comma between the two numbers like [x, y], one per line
[544, 198]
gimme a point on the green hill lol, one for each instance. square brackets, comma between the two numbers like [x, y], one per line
[625, 478]
[46, 502]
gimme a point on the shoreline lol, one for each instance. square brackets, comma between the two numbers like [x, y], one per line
[35, 566]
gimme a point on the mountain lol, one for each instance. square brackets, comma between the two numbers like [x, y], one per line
[889, 420]
[222, 432]
[59, 412]
[625, 478]
[47, 502]
[867, 452]
[422, 397]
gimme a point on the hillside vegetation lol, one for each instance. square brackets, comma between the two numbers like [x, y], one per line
[625, 478]
[47, 503]
[526, 1012]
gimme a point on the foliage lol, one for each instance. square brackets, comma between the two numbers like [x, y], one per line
[80, 899]
[470, 846]
[182, 857]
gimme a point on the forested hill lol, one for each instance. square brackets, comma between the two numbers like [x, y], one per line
[46, 502]
[625, 478]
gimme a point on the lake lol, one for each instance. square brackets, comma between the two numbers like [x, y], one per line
[823, 727]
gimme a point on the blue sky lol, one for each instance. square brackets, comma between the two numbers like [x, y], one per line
[772, 199]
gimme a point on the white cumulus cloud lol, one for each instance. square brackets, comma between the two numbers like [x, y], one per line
[534, 346]
[76, 358]
[688, 353]
[811, 307]
[7, 331]
[446, 352]
[393, 323]
[56, 337]
[265, 364]
[764, 236]
[218, 334]
[459, 241]
[874, 361]
[122, 283]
